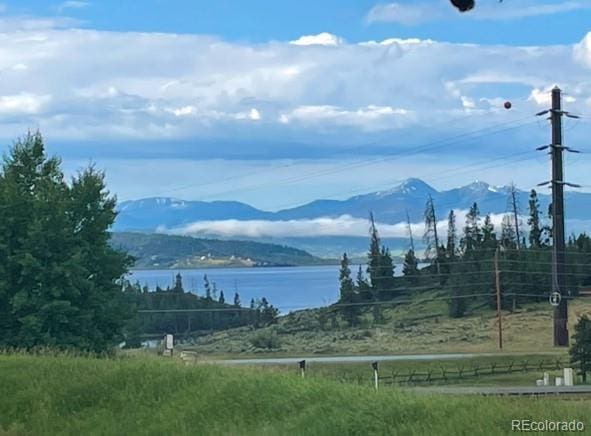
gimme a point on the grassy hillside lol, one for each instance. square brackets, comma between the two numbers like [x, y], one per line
[418, 327]
[167, 251]
[74, 395]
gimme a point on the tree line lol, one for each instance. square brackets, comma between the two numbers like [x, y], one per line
[180, 312]
[462, 263]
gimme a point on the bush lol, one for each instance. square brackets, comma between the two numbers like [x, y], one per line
[266, 339]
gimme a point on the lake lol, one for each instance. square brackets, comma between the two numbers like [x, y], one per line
[287, 288]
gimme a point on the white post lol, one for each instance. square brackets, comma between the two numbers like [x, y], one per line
[546, 379]
[559, 381]
[569, 379]
[374, 365]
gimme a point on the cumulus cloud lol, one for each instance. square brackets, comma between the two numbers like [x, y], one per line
[324, 38]
[115, 86]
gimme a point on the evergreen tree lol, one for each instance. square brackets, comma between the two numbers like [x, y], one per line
[222, 299]
[386, 273]
[207, 287]
[489, 238]
[59, 277]
[580, 351]
[178, 284]
[452, 236]
[363, 288]
[431, 236]
[535, 227]
[347, 291]
[410, 267]
[508, 236]
[374, 258]
[472, 239]
[236, 299]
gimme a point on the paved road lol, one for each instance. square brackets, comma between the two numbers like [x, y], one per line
[353, 359]
[518, 390]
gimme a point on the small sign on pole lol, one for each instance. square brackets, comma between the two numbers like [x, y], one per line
[374, 365]
[302, 364]
[555, 298]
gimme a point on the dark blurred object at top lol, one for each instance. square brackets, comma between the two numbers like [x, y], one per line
[463, 5]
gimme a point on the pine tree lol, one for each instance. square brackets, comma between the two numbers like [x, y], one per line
[347, 292]
[207, 288]
[410, 267]
[489, 237]
[374, 257]
[178, 284]
[222, 299]
[535, 228]
[431, 236]
[580, 352]
[472, 239]
[236, 299]
[508, 236]
[452, 236]
[363, 288]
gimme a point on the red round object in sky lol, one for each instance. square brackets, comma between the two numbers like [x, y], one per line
[508, 105]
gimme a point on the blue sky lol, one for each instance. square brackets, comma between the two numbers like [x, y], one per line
[280, 103]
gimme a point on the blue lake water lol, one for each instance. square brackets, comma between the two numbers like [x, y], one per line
[287, 288]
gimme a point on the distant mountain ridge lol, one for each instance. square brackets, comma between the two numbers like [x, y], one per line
[388, 206]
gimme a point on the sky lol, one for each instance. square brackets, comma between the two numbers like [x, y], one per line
[279, 103]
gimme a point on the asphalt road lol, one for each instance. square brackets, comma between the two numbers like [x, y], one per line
[351, 359]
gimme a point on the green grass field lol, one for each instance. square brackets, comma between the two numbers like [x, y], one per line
[44, 395]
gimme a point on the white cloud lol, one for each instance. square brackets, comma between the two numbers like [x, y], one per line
[110, 86]
[582, 51]
[434, 10]
[407, 14]
[344, 225]
[72, 4]
[324, 38]
[370, 117]
[23, 103]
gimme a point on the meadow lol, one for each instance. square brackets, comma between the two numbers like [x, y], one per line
[70, 395]
[421, 326]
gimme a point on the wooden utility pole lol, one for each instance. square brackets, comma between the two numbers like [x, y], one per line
[557, 184]
[498, 286]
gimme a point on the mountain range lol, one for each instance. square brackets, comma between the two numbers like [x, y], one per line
[390, 206]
